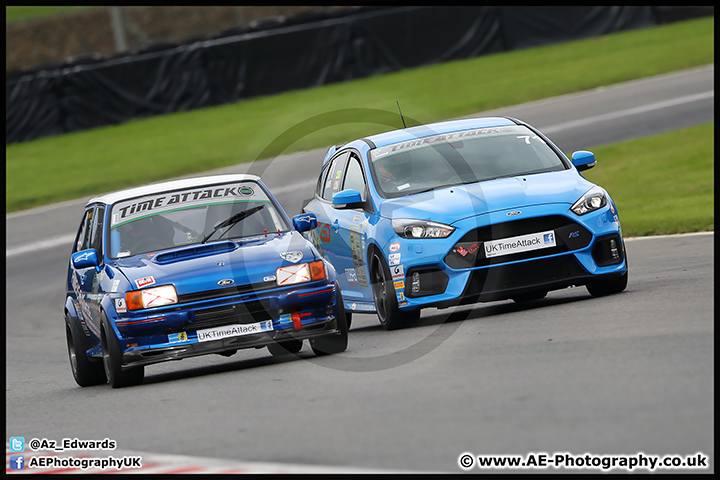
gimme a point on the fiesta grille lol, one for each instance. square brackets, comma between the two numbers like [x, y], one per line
[469, 250]
[241, 313]
[551, 272]
[225, 292]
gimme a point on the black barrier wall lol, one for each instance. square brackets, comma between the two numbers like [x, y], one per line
[227, 69]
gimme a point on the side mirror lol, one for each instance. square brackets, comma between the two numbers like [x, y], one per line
[583, 160]
[85, 259]
[305, 222]
[346, 198]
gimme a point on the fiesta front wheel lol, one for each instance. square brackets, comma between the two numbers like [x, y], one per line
[336, 342]
[85, 371]
[386, 303]
[112, 359]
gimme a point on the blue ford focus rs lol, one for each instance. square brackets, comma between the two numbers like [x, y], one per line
[459, 212]
[193, 267]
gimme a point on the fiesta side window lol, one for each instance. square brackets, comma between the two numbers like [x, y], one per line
[83, 238]
[97, 230]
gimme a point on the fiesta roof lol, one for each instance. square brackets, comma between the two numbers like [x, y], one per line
[154, 188]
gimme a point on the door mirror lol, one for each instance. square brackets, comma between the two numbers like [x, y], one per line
[85, 259]
[347, 199]
[583, 160]
[305, 222]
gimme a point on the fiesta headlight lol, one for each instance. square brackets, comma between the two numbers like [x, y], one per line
[151, 297]
[303, 272]
[594, 199]
[415, 229]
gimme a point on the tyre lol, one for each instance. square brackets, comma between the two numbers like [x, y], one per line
[529, 297]
[286, 347]
[112, 360]
[336, 342]
[608, 286]
[86, 372]
[348, 319]
[386, 304]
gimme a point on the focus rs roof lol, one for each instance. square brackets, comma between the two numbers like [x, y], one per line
[154, 188]
[420, 131]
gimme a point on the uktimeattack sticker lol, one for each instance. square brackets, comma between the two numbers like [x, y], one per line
[522, 243]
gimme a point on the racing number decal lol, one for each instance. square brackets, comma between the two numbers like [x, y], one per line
[324, 232]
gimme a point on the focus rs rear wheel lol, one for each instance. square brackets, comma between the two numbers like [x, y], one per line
[112, 360]
[386, 304]
[85, 371]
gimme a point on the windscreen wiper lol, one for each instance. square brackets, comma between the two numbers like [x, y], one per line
[238, 217]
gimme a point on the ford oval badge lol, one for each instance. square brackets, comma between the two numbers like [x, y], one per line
[513, 213]
[226, 282]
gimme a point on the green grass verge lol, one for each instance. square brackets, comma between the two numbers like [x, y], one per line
[16, 14]
[141, 151]
[661, 184]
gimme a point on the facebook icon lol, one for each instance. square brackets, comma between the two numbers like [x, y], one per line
[17, 462]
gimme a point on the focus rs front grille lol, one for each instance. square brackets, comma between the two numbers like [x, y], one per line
[469, 251]
[556, 271]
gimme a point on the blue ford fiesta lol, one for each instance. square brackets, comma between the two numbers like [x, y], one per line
[192, 267]
[459, 212]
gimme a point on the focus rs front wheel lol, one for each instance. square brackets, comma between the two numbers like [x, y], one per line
[386, 303]
[608, 286]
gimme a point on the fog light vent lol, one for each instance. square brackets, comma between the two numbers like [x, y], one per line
[416, 282]
[427, 280]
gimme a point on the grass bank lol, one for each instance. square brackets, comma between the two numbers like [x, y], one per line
[100, 160]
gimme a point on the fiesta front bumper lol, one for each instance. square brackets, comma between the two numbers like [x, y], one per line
[251, 320]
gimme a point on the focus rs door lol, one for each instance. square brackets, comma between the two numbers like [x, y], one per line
[350, 235]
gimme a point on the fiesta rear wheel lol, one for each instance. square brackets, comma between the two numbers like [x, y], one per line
[85, 371]
[335, 342]
[285, 347]
[386, 303]
[112, 360]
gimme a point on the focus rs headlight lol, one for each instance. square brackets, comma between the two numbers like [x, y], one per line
[151, 297]
[592, 200]
[413, 229]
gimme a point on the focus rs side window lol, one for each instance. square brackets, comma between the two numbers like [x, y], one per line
[354, 176]
[333, 180]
